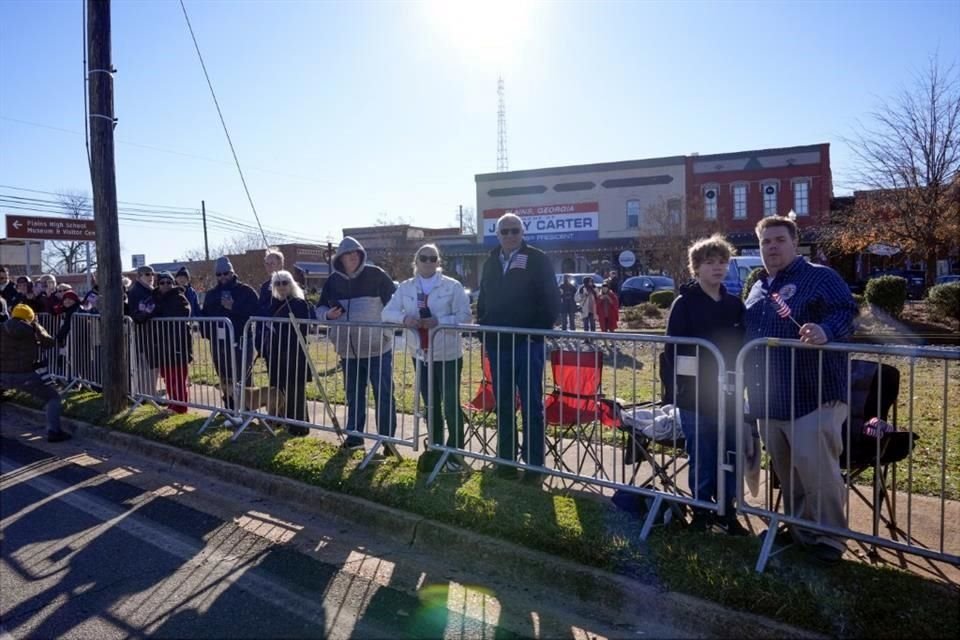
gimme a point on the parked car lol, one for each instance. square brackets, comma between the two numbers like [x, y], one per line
[945, 279]
[638, 289]
[737, 273]
[578, 278]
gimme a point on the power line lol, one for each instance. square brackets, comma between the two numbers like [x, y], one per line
[223, 122]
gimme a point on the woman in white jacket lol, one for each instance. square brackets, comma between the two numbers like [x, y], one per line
[421, 303]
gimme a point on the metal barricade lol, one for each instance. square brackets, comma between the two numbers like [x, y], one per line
[839, 423]
[185, 362]
[83, 349]
[589, 406]
[351, 379]
[56, 358]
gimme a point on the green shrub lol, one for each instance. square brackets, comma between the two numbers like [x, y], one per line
[662, 299]
[649, 310]
[887, 293]
[945, 299]
[751, 280]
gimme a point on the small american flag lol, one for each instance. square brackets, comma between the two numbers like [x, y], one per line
[783, 310]
[519, 261]
[421, 301]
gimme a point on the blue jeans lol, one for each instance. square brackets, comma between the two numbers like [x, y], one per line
[702, 474]
[590, 323]
[517, 366]
[379, 372]
[568, 319]
[34, 385]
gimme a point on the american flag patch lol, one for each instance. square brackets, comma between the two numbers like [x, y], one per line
[783, 309]
[519, 261]
[421, 301]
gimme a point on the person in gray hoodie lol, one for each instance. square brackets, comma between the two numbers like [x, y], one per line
[357, 292]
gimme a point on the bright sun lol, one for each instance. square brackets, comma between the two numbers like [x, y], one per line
[488, 32]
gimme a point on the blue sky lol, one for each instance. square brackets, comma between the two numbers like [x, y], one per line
[345, 112]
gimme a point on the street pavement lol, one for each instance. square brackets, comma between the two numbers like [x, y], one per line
[98, 543]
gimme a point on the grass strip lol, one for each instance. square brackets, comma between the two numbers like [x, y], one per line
[847, 600]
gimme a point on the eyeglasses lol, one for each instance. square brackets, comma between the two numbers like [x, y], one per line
[225, 273]
[283, 283]
[165, 282]
[423, 258]
[510, 230]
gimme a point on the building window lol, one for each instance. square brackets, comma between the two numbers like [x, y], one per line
[801, 198]
[739, 201]
[633, 214]
[770, 199]
[710, 203]
[673, 213]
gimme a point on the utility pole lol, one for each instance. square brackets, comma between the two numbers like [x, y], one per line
[206, 247]
[115, 371]
[461, 219]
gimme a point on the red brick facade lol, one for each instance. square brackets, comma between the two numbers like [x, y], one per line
[780, 169]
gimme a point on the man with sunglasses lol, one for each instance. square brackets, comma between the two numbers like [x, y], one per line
[236, 301]
[518, 288]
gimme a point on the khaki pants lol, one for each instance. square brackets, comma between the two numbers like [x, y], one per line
[806, 458]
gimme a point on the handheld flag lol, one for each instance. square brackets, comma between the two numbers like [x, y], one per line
[782, 308]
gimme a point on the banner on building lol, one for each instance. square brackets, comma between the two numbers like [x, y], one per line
[548, 224]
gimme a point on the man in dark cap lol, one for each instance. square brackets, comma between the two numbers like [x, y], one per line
[183, 281]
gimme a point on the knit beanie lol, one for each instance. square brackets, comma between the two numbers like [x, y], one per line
[23, 312]
[223, 265]
[71, 295]
[183, 272]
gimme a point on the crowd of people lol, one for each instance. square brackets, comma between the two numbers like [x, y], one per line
[518, 294]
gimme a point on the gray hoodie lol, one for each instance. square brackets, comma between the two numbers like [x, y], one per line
[362, 295]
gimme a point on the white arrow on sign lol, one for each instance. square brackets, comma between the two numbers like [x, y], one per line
[17, 224]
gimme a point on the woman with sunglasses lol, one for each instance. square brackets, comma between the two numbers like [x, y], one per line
[167, 346]
[427, 300]
[287, 365]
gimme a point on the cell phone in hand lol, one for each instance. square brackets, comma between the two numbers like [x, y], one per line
[226, 297]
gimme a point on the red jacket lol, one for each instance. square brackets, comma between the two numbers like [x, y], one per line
[608, 311]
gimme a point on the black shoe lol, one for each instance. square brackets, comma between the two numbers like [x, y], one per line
[352, 445]
[730, 525]
[505, 473]
[298, 431]
[825, 553]
[701, 520]
[58, 436]
[783, 537]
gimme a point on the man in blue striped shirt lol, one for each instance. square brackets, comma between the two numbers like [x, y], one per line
[800, 399]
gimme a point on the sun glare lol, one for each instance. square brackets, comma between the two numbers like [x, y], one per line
[487, 32]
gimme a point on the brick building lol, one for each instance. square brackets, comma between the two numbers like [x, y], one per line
[736, 190]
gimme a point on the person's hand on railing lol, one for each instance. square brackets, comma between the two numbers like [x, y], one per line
[411, 322]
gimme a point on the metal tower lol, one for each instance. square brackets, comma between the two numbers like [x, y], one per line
[502, 163]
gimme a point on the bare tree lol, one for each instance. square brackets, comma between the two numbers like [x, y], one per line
[467, 222]
[70, 257]
[908, 163]
[665, 234]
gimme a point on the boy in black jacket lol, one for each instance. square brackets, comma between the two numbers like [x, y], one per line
[705, 310]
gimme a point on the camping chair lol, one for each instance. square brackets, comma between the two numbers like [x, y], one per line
[577, 405]
[478, 411]
[874, 389]
[666, 455]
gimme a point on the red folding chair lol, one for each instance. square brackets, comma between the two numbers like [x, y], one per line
[579, 408]
[478, 412]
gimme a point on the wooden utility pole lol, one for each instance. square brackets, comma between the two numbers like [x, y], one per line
[114, 363]
[206, 247]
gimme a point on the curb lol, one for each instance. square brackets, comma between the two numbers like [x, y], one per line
[602, 590]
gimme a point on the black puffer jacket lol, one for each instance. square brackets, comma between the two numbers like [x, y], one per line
[166, 344]
[20, 345]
